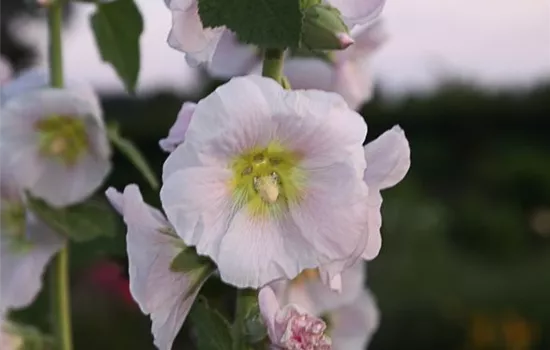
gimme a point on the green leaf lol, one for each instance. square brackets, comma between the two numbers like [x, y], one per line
[212, 330]
[188, 260]
[131, 152]
[81, 222]
[266, 23]
[117, 28]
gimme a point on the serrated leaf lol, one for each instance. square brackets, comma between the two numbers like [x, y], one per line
[212, 330]
[266, 23]
[117, 27]
[188, 260]
[128, 149]
[81, 222]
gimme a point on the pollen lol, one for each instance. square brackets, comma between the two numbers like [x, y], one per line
[267, 179]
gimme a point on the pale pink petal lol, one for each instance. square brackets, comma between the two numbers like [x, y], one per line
[164, 295]
[256, 251]
[374, 215]
[358, 11]
[388, 159]
[176, 135]
[354, 83]
[198, 203]
[232, 58]
[22, 271]
[6, 70]
[354, 325]
[188, 34]
[269, 306]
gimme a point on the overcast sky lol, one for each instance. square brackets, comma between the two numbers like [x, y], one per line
[492, 42]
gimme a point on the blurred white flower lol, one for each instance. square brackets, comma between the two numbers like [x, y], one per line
[165, 295]
[291, 327]
[348, 71]
[27, 245]
[176, 135]
[358, 11]
[352, 326]
[269, 182]
[53, 140]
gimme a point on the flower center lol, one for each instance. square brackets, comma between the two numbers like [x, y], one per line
[267, 179]
[63, 138]
[308, 275]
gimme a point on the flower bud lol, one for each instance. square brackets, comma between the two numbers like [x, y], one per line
[324, 29]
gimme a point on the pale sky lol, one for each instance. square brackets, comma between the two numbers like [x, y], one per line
[490, 42]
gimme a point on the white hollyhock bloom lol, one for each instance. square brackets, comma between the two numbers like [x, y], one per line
[388, 160]
[54, 140]
[269, 181]
[291, 327]
[218, 47]
[27, 245]
[165, 295]
[176, 135]
[348, 72]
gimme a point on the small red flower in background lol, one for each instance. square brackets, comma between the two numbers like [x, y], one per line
[109, 276]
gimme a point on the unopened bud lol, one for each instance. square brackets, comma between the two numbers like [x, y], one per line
[324, 29]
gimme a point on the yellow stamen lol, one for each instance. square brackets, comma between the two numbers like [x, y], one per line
[58, 146]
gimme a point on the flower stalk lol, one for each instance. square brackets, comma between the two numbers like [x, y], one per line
[59, 275]
[273, 64]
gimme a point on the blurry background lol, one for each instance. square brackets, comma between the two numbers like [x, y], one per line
[466, 257]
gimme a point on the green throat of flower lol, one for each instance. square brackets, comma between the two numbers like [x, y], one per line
[63, 138]
[267, 179]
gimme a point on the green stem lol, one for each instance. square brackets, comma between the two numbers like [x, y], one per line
[60, 302]
[273, 64]
[238, 323]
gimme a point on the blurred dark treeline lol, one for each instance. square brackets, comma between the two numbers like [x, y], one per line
[465, 262]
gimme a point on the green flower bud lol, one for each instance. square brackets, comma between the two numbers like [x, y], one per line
[324, 29]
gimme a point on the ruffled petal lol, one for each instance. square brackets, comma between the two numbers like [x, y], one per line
[355, 324]
[164, 295]
[198, 203]
[188, 34]
[176, 135]
[388, 159]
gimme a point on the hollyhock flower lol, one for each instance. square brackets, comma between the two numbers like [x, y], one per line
[352, 326]
[54, 140]
[165, 295]
[348, 71]
[216, 46]
[269, 181]
[27, 245]
[388, 160]
[178, 130]
[291, 327]
[352, 316]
